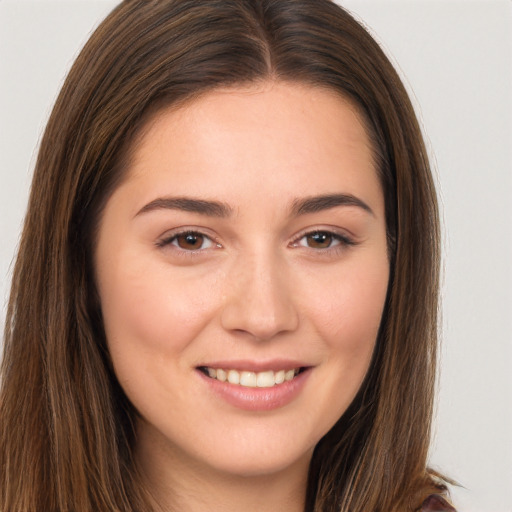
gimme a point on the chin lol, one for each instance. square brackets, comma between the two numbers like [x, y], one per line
[260, 465]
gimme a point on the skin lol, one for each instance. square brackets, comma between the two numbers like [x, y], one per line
[253, 286]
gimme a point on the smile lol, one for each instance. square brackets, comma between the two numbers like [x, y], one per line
[265, 379]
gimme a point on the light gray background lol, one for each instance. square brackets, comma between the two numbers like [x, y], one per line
[456, 59]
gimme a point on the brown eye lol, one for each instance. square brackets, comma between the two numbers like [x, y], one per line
[320, 240]
[323, 240]
[191, 241]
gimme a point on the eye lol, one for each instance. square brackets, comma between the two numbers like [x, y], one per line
[188, 241]
[318, 240]
[323, 240]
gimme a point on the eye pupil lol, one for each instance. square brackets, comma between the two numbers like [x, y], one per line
[320, 240]
[190, 241]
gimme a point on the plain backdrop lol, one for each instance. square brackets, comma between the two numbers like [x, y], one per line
[456, 59]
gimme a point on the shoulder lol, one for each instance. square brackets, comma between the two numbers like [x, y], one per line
[436, 503]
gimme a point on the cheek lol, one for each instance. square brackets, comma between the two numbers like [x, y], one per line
[348, 310]
[346, 315]
[149, 311]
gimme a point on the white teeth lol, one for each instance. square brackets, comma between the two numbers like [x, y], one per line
[248, 379]
[266, 379]
[289, 375]
[233, 377]
[279, 377]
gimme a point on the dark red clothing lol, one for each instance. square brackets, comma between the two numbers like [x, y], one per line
[436, 503]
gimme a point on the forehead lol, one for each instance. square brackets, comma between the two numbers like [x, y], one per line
[274, 137]
[266, 103]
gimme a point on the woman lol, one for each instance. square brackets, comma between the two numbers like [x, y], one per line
[226, 290]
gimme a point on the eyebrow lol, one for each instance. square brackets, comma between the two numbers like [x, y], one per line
[319, 203]
[222, 210]
[186, 204]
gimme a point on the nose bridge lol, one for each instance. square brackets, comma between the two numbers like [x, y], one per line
[258, 298]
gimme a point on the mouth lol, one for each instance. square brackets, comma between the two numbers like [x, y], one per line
[248, 379]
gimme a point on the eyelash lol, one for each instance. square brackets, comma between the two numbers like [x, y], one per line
[341, 241]
[169, 240]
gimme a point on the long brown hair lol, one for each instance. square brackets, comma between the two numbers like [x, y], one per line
[66, 428]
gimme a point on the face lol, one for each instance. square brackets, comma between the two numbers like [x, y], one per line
[242, 271]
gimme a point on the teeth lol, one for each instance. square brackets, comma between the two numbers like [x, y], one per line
[233, 377]
[265, 379]
[248, 379]
[289, 375]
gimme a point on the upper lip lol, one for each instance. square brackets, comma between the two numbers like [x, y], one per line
[256, 366]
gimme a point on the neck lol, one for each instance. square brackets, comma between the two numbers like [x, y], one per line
[177, 484]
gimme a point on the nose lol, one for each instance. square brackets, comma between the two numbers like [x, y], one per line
[258, 299]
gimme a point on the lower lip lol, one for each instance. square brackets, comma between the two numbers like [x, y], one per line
[258, 399]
